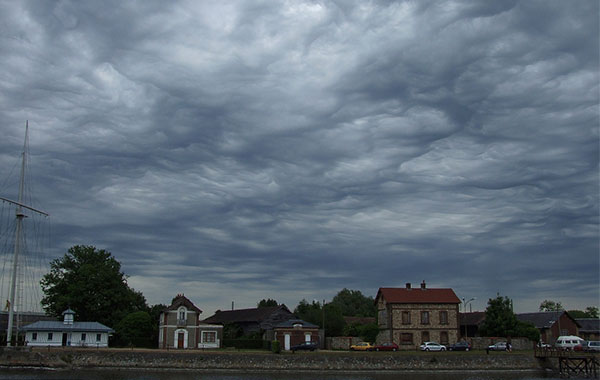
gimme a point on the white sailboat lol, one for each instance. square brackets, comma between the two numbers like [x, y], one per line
[22, 211]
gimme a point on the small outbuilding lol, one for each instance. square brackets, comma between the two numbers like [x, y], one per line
[67, 333]
[295, 331]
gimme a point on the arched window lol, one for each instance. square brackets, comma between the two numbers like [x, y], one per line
[181, 314]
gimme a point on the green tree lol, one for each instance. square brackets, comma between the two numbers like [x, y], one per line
[136, 329]
[313, 313]
[500, 320]
[590, 312]
[267, 303]
[155, 311]
[548, 305]
[367, 332]
[90, 282]
[353, 303]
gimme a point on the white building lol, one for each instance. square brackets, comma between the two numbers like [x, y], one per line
[67, 333]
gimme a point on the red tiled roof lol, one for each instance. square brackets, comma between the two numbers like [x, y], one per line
[417, 295]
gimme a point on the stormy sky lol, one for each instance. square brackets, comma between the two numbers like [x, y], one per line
[235, 151]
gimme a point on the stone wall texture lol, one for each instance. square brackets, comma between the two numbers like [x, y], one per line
[320, 360]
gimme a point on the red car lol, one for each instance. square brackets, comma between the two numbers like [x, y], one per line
[385, 347]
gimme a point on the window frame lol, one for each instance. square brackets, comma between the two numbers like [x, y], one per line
[444, 317]
[405, 317]
[425, 317]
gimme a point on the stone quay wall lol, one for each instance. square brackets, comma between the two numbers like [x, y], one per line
[233, 360]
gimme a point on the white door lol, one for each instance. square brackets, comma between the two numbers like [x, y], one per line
[287, 342]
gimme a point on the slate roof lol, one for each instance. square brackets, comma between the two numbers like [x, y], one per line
[589, 325]
[542, 319]
[290, 323]
[417, 295]
[245, 315]
[61, 326]
[181, 300]
[474, 318]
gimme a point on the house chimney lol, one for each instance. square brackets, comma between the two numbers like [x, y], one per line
[408, 285]
[423, 286]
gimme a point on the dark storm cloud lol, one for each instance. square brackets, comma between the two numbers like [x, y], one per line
[287, 150]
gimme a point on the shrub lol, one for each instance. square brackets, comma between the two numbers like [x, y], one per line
[275, 347]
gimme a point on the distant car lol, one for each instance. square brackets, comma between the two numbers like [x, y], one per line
[460, 346]
[580, 346]
[362, 346]
[432, 346]
[306, 346]
[568, 342]
[385, 347]
[543, 345]
[500, 346]
[592, 345]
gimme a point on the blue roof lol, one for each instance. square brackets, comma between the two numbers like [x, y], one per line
[61, 326]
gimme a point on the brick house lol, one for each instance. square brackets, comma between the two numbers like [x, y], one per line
[295, 331]
[409, 317]
[180, 327]
[551, 324]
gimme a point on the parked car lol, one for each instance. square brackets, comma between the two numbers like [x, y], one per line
[500, 346]
[460, 346]
[567, 342]
[310, 346]
[389, 346]
[580, 346]
[543, 345]
[592, 345]
[362, 346]
[432, 346]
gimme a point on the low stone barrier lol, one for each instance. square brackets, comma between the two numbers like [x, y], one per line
[321, 360]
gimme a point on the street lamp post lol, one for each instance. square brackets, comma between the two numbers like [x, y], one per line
[465, 303]
[323, 324]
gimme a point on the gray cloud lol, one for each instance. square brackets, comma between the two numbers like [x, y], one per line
[287, 150]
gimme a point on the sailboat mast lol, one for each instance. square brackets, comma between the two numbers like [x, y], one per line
[19, 216]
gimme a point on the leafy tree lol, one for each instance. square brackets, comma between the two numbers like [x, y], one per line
[313, 313]
[500, 320]
[136, 329]
[353, 303]
[90, 282]
[155, 311]
[590, 312]
[267, 303]
[548, 305]
[367, 332]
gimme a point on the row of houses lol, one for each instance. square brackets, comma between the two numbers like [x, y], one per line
[406, 316]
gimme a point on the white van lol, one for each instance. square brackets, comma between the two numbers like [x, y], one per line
[568, 342]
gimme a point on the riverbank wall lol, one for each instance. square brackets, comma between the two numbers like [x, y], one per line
[233, 360]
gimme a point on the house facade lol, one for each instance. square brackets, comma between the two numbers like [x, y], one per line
[295, 331]
[551, 324]
[409, 317]
[67, 333]
[180, 327]
[590, 328]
